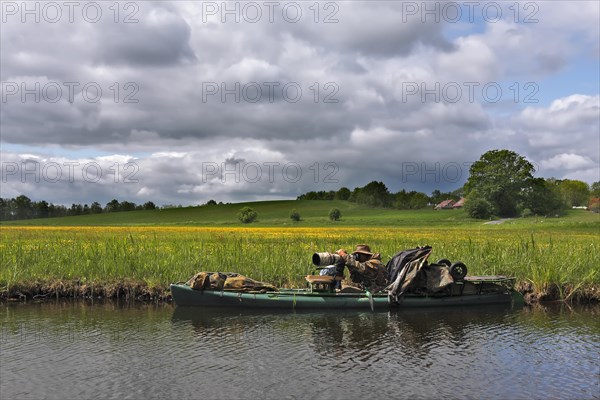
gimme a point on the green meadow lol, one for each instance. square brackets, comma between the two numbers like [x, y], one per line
[141, 252]
[270, 213]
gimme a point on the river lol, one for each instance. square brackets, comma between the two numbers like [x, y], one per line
[110, 350]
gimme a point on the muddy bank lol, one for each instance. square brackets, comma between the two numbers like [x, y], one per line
[129, 290]
[132, 290]
[580, 295]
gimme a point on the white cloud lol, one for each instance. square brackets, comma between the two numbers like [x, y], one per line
[373, 129]
[567, 162]
[568, 125]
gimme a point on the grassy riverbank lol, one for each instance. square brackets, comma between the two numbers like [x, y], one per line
[552, 258]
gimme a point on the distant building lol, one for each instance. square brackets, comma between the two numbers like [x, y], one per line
[459, 203]
[594, 204]
[445, 205]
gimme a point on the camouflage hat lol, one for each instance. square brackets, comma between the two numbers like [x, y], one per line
[363, 249]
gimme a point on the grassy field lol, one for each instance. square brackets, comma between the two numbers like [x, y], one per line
[144, 251]
[270, 213]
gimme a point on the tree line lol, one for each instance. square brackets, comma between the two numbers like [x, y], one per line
[500, 183]
[22, 207]
[376, 194]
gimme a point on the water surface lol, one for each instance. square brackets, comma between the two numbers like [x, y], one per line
[110, 350]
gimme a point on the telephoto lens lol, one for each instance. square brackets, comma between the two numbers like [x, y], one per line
[324, 259]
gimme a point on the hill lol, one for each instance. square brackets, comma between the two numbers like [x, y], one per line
[270, 213]
[314, 213]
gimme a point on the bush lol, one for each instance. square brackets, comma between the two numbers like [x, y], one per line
[478, 207]
[526, 213]
[247, 215]
[335, 214]
[295, 215]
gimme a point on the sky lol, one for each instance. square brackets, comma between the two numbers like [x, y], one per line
[181, 102]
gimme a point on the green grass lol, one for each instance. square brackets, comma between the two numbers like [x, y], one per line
[160, 247]
[313, 213]
[270, 213]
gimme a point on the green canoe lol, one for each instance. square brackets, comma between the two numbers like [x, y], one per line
[293, 299]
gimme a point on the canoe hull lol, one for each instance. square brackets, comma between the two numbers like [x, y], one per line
[183, 295]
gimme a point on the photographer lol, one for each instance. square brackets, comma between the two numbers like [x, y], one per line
[366, 269]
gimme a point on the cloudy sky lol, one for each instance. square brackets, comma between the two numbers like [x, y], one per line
[182, 102]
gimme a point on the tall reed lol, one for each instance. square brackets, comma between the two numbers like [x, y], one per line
[160, 255]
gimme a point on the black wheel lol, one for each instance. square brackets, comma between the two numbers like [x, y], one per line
[458, 270]
[444, 261]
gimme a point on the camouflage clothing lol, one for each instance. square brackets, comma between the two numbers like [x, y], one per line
[370, 274]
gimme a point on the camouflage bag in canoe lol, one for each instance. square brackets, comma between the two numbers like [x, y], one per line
[227, 281]
[207, 280]
[244, 284]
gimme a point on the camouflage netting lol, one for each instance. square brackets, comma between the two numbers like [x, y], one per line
[409, 272]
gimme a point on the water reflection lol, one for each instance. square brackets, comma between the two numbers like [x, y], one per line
[333, 331]
[157, 351]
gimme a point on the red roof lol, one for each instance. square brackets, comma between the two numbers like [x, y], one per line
[459, 203]
[445, 204]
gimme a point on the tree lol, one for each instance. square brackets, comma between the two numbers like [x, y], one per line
[113, 206]
[402, 201]
[343, 194]
[595, 189]
[410, 200]
[335, 214]
[500, 177]
[149, 206]
[42, 209]
[95, 208]
[23, 207]
[573, 192]
[76, 209]
[374, 194]
[418, 200]
[543, 198]
[436, 196]
[247, 215]
[354, 195]
[5, 210]
[321, 195]
[127, 206]
[295, 215]
[477, 207]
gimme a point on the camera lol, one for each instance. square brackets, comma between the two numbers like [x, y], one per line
[324, 259]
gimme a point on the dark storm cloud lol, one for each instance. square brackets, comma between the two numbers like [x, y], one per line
[160, 38]
[380, 29]
[172, 99]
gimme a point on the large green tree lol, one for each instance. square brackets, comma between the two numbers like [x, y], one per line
[501, 177]
[574, 192]
[374, 194]
[544, 198]
[595, 189]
